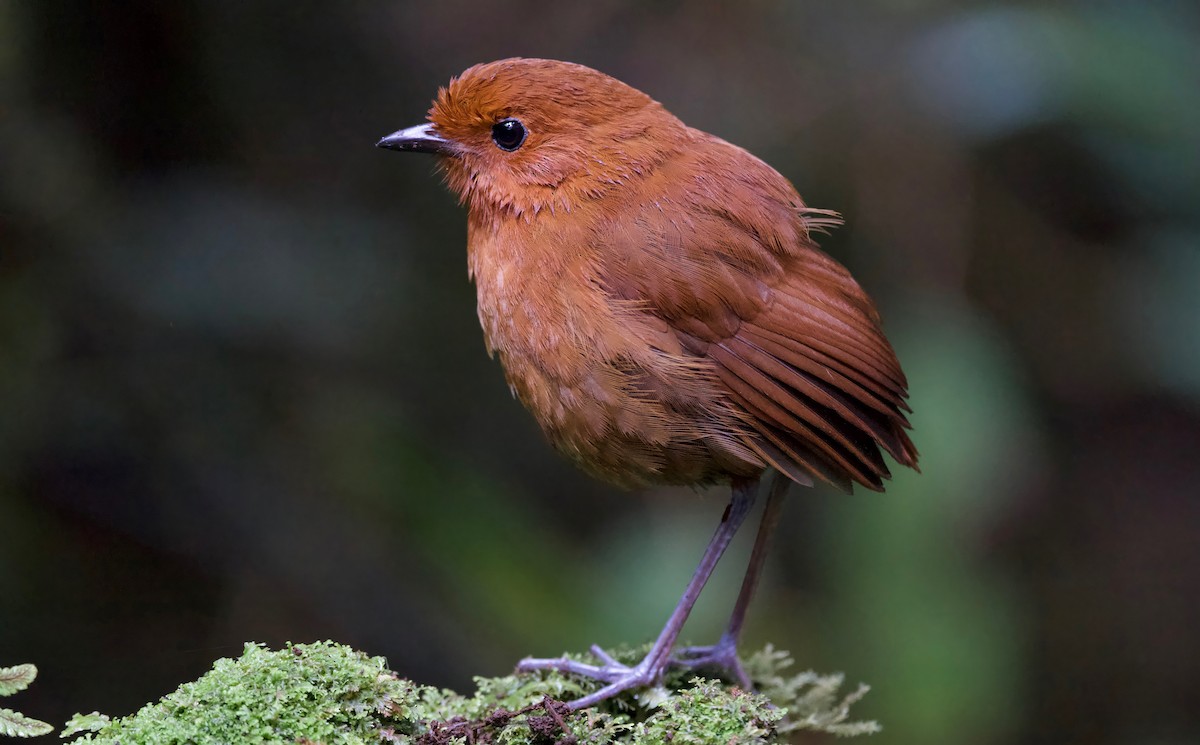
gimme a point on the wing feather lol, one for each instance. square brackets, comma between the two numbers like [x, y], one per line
[794, 341]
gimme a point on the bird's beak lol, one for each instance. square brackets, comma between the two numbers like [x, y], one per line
[418, 139]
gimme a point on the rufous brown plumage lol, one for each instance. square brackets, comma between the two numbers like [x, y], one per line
[654, 293]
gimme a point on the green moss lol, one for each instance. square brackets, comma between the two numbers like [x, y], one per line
[320, 692]
[327, 693]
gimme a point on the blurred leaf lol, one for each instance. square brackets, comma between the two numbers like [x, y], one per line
[18, 678]
[15, 724]
[12, 723]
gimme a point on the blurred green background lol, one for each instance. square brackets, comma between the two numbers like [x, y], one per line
[243, 392]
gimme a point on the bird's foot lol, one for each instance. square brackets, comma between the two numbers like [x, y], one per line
[619, 676]
[720, 656]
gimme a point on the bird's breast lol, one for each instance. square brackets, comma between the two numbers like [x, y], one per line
[536, 306]
[609, 386]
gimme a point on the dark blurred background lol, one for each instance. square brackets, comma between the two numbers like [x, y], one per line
[244, 396]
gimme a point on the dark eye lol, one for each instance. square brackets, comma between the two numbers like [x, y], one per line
[508, 134]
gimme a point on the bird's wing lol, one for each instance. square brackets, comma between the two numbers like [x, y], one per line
[723, 255]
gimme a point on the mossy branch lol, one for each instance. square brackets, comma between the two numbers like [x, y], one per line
[325, 693]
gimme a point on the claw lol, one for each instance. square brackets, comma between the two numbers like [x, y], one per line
[721, 656]
[619, 676]
[603, 656]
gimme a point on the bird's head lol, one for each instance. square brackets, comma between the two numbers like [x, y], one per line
[519, 136]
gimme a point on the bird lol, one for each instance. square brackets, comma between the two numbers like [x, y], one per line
[658, 301]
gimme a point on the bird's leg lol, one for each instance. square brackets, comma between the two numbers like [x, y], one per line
[621, 677]
[723, 654]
